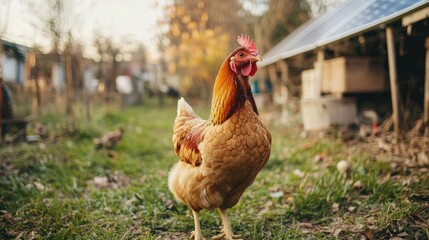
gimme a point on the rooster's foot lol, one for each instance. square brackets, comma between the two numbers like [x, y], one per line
[196, 236]
[227, 236]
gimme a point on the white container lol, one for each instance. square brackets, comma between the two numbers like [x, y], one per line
[320, 113]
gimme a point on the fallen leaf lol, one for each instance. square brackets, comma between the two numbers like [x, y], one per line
[385, 179]
[351, 208]
[383, 145]
[115, 180]
[407, 181]
[100, 181]
[168, 203]
[74, 183]
[265, 208]
[335, 207]
[321, 157]
[370, 234]
[357, 185]
[289, 200]
[42, 146]
[306, 227]
[318, 158]
[276, 188]
[337, 232]
[130, 201]
[6, 215]
[39, 186]
[112, 154]
[403, 234]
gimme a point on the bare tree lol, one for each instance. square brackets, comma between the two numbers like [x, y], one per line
[319, 7]
[57, 20]
[108, 64]
[68, 54]
[277, 19]
[4, 15]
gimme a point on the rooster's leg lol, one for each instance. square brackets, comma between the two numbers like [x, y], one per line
[226, 231]
[197, 234]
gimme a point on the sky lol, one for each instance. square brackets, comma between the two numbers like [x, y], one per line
[123, 21]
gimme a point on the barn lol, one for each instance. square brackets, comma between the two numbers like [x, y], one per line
[366, 55]
[12, 57]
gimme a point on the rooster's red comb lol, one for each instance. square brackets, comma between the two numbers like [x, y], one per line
[246, 42]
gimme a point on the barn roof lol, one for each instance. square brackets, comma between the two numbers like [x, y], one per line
[349, 19]
[16, 50]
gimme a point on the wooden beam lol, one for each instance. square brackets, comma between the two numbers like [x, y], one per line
[426, 97]
[415, 17]
[394, 89]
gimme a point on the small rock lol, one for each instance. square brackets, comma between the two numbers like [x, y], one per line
[278, 194]
[343, 167]
[422, 158]
[298, 173]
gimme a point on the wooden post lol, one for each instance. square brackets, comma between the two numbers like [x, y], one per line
[86, 95]
[319, 71]
[1, 108]
[272, 71]
[69, 84]
[284, 69]
[394, 89]
[426, 99]
[1, 92]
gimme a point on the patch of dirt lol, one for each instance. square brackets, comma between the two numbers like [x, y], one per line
[173, 236]
[110, 181]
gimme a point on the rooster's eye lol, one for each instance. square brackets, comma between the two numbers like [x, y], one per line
[241, 54]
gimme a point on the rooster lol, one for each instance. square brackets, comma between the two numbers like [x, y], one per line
[221, 157]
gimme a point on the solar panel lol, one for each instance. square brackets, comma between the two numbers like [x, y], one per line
[351, 17]
[378, 10]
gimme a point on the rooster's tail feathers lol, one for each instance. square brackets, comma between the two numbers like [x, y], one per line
[184, 107]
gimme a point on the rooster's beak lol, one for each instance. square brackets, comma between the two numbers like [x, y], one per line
[256, 58]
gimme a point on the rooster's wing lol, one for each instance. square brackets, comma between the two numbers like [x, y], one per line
[189, 130]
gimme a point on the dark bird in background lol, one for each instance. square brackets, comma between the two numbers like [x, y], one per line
[109, 140]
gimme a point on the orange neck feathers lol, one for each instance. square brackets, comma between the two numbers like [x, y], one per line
[230, 92]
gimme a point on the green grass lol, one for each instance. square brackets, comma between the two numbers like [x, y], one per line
[47, 189]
